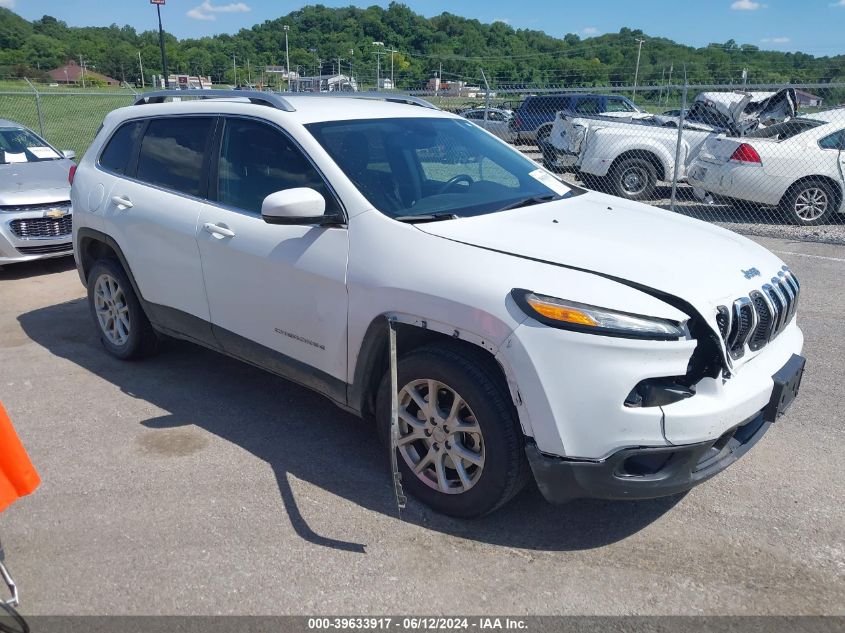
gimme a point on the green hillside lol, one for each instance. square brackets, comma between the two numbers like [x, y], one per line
[462, 46]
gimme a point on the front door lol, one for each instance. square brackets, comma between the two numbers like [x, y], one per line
[277, 294]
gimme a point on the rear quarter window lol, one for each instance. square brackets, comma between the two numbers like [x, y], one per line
[118, 152]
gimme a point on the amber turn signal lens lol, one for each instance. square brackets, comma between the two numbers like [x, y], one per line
[561, 313]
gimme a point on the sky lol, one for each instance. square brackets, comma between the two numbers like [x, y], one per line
[811, 26]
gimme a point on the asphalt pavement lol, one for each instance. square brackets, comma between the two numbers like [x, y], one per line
[190, 483]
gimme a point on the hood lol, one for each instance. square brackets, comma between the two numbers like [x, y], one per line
[689, 259]
[21, 181]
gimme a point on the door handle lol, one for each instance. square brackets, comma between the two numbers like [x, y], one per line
[216, 229]
[122, 201]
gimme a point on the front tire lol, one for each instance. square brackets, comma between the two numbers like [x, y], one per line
[633, 178]
[809, 203]
[463, 454]
[124, 329]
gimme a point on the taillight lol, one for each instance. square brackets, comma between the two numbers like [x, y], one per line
[71, 173]
[517, 121]
[745, 154]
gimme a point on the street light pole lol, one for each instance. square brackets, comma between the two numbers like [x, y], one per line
[287, 54]
[158, 4]
[637, 71]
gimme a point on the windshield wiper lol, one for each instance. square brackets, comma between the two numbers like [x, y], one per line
[428, 217]
[526, 202]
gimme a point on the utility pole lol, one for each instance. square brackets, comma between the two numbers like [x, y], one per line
[234, 71]
[379, 46]
[287, 54]
[82, 67]
[392, 82]
[158, 4]
[637, 71]
[141, 64]
[351, 66]
[248, 73]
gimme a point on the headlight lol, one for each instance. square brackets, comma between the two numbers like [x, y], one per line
[571, 315]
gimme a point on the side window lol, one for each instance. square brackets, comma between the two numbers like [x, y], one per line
[833, 141]
[474, 115]
[118, 152]
[172, 153]
[618, 105]
[588, 106]
[257, 160]
[495, 116]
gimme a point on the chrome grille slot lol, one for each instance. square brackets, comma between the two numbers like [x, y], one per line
[763, 331]
[41, 228]
[755, 320]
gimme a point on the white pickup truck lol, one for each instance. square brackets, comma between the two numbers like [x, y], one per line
[631, 154]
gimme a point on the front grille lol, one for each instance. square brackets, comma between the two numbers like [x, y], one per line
[46, 250]
[41, 228]
[752, 322]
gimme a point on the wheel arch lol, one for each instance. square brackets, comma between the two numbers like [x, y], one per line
[836, 186]
[92, 245]
[413, 332]
[644, 153]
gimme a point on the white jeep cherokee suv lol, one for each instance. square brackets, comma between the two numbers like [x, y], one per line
[610, 348]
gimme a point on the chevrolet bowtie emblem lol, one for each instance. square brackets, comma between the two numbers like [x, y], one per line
[750, 273]
[55, 213]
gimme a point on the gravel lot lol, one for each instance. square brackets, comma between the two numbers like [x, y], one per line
[194, 484]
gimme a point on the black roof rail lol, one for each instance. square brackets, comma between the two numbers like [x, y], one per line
[275, 99]
[272, 99]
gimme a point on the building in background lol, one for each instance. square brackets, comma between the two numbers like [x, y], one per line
[189, 82]
[808, 99]
[73, 73]
[325, 83]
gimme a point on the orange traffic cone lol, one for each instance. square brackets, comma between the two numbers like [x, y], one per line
[17, 474]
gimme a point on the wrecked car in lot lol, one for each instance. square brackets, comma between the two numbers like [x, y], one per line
[630, 155]
[796, 165]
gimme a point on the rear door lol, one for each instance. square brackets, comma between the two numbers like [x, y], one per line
[272, 288]
[151, 209]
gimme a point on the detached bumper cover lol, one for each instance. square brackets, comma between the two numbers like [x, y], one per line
[643, 473]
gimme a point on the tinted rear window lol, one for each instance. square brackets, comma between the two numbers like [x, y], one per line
[118, 152]
[547, 104]
[172, 153]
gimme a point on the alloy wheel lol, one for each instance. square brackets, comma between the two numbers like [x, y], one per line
[634, 180]
[811, 204]
[439, 437]
[112, 309]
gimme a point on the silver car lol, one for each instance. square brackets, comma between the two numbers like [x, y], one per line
[35, 212]
[498, 121]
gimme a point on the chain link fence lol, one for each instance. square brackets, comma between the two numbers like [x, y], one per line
[761, 159]
[66, 119]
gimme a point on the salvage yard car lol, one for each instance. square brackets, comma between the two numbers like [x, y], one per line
[542, 329]
[796, 165]
[630, 155]
[35, 216]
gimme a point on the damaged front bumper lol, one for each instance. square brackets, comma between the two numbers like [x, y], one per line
[643, 473]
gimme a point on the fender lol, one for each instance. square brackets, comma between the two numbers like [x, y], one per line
[416, 330]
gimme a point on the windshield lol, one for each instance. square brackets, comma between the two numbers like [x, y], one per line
[440, 167]
[19, 145]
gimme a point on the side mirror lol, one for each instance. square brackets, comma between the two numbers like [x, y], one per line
[300, 205]
[69, 154]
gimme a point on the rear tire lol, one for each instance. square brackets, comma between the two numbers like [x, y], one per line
[809, 203]
[462, 473]
[633, 178]
[121, 323]
[543, 134]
